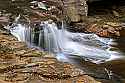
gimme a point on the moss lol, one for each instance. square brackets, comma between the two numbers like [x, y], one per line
[113, 49]
[36, 54]
[5, 49]
[122, 19]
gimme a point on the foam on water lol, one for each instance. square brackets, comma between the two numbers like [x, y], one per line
[61, 41]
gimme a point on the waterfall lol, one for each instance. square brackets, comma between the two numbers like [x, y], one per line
[51, 37]
[19, 32]
[48, 37]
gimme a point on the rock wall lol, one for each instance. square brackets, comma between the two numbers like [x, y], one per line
[75, 9]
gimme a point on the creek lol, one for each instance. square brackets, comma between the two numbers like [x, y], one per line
[101, 58]
[97, 56]
[61, 42]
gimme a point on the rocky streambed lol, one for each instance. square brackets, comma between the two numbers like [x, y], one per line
[20, 64]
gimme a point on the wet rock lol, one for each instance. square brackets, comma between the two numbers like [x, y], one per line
[93, 28]
[113, 24]
[42, 5]
[50, 21]
[115, 13]
[111, 29]
[117, 33]
[107, 29]
[118, 28]
[77, 27]
[105, 26]
[4, 19]
[25, 65]
[103, 33]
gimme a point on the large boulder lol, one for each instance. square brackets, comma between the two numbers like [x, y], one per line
[74, 9]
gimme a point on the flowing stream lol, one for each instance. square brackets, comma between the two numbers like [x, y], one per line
[101, 58]
[63, 43]
[72, 47]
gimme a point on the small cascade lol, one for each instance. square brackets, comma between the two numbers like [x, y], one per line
[48, 37]
[51, 37]
[19, 32]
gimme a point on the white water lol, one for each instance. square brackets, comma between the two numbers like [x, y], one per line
[64, 43]
[19, 32]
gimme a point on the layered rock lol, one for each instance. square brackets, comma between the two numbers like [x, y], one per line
[20, 64]
[107, 29]
[75, 9]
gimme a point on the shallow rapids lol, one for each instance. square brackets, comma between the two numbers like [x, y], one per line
[63, 43]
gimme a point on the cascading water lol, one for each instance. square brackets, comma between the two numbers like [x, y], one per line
[51, 37]
[62, 42]
[19, 32]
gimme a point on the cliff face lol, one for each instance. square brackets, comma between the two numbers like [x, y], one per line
[75, 9]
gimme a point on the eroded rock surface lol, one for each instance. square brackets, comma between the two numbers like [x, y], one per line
[20, 64]
[75, 9]
[107, 29]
